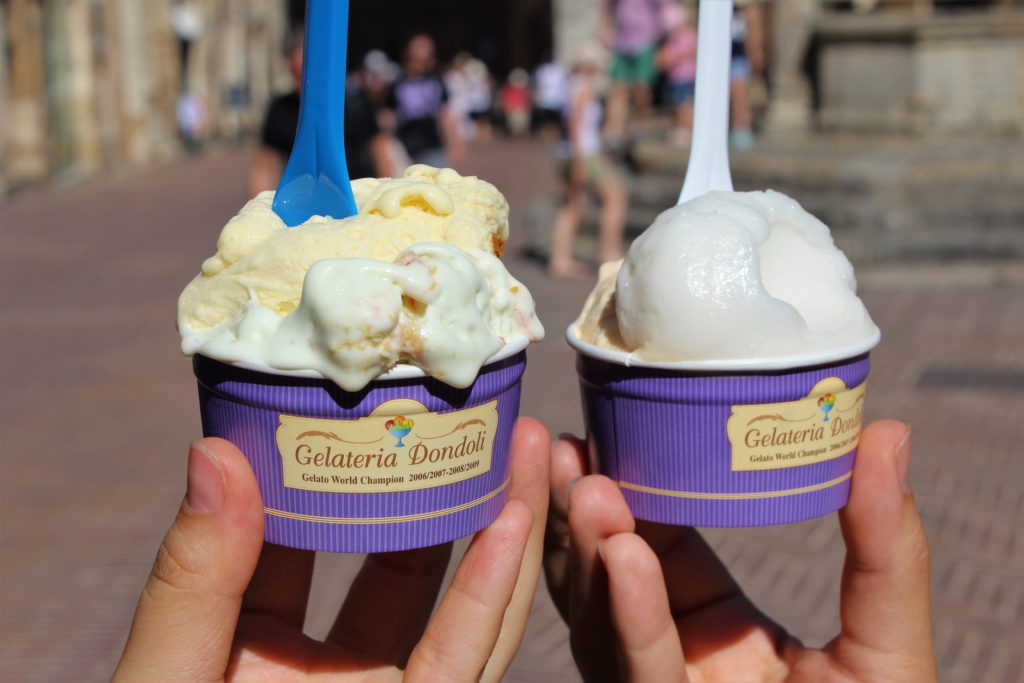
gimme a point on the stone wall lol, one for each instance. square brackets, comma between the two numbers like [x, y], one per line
[922, 72]
[93, 84]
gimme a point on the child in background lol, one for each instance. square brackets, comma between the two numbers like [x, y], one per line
[748, 58]
[481, 99]
[550, 95]
[631, 29]
[677, 57]
[515, 101]
[585, 167]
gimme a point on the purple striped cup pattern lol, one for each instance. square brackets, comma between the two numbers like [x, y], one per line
[664, 436]
[291, 429]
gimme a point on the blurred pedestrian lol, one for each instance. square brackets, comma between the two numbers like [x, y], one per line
[366, 146]
[632, 29]
[378, 74]
[747, 57]
[585, 167]
[190, 112]
[515, 102]
[550, 97]
[457, 82]
[677, 57]
[426, 126]
[369, 149]
[481, 99]
[375, 77]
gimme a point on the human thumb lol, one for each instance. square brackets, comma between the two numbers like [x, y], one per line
[186, 616]
[885, 604]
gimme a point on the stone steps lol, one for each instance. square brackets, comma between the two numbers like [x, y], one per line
[886, 199]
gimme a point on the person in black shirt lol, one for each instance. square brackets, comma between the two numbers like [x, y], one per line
[366, 147]
[425, 125]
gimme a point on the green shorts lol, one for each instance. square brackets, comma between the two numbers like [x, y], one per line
[635, 68]
[597, 169]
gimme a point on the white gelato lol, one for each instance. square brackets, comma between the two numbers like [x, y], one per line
[728, 275]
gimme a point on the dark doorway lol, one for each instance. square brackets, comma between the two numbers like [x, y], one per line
[505, 34]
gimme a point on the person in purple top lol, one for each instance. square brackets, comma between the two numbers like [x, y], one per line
[425, 124]
[632, 29]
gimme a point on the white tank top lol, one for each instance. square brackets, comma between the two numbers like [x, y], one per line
[590, 127]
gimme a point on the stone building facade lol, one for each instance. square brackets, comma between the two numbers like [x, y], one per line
[887, 66]
[87, 85]
[93, 84]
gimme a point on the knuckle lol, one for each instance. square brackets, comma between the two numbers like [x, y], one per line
[176, 569]
[919, 548]
[437, 661]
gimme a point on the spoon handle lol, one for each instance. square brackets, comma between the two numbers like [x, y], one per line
[316, 179]
[708, 168]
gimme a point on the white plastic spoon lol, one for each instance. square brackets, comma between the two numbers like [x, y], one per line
[709, 154]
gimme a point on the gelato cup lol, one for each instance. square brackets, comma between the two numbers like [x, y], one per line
[369, 366]
[726, 443]
[406, 462]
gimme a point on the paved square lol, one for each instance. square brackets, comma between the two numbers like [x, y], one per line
[97, 407]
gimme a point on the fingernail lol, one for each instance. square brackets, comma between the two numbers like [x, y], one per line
[901, 456]
[205, 479]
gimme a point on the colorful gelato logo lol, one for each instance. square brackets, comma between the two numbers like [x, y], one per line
[826, 403]
[399, 428]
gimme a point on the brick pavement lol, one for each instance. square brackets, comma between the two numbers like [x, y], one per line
[97, 405]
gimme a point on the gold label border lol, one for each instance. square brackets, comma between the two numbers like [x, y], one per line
[388, 520]
[391, 469]
[804, 438]
[734, 496]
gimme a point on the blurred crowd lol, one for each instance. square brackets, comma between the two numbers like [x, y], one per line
[640, 66]
[645, 54]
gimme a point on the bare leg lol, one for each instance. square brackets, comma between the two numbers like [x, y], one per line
[614, 202]
[483, 131]
[562, 264]
[740, 104]
[684, 115]
[618, 112]
[682, 133]
[641, 99]
[740, 138]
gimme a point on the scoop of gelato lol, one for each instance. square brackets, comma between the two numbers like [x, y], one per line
[413, 278]
[728, 275]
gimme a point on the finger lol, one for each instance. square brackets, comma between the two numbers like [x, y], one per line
[568, 465]
[408, 583]
[389, 603]
[462, 633]
[885, 604]
[648, 643]
[280, 585]
[696, 577]
[186, 616]
[531, 456]
[716, 624]
[597, 511]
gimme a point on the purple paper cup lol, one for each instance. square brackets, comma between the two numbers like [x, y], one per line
[726, 444]
[407, 462]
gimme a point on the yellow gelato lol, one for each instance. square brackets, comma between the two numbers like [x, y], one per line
[413, 278]
[260, 258]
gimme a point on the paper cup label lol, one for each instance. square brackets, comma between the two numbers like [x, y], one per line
[400, 446]
[772, 436]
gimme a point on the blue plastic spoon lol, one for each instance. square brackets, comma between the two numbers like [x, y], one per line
[315, 181]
